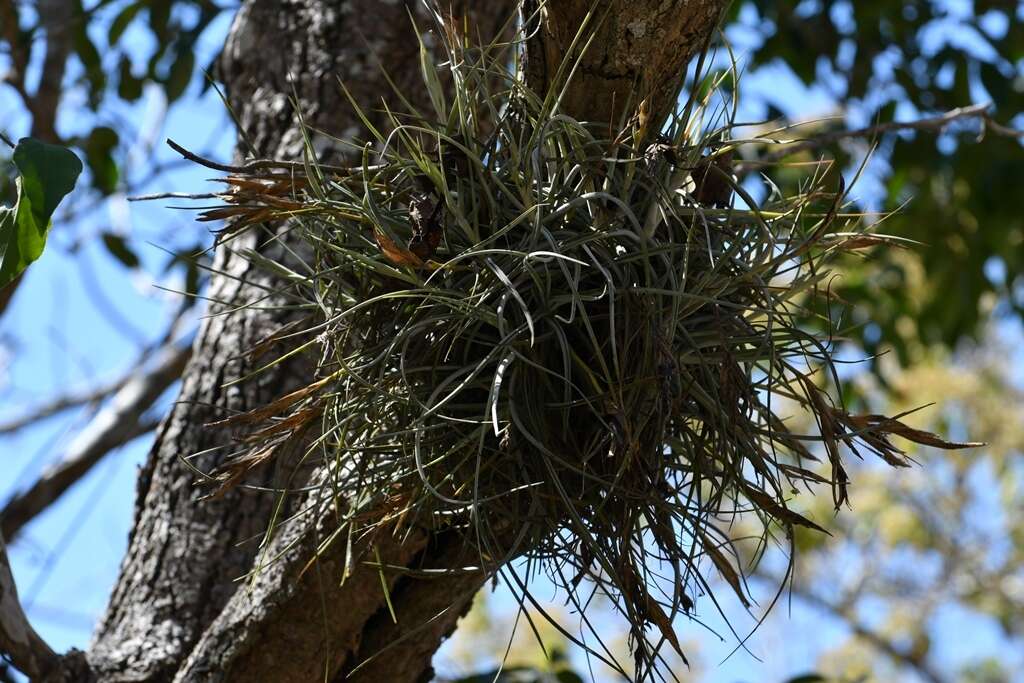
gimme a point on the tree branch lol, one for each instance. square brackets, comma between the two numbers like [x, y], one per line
[302, 615]
[634, 63]
[296, 621]
[979, 112]
[115, 425]
[18, 640]
[56, 17]
[426, 611]
[876, 640]
[60, 404]
[10, 24]
[179, 582]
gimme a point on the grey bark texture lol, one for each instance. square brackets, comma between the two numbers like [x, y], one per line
[179, 611]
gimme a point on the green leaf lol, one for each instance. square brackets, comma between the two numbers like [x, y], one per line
[193, 261]
[128, 86]
[90, 58]
[119, 249]
[122, 20]
[99, 147]
[159, 17]
[180, 74]
[999, 87]
[433, 83]
[47, 173]
[192, 276]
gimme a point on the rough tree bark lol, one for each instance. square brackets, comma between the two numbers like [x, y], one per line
[633, 62]
[178, 611]
[185, 555]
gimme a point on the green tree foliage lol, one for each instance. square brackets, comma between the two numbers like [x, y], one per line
[882, 61]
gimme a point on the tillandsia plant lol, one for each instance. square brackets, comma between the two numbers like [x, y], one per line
[572, 347]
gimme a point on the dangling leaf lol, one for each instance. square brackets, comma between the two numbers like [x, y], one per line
[46, 173]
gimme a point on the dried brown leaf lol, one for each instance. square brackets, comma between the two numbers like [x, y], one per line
[724, 567]
[273, 408]
[656, 615]
[888, 425]
[395, 253]
[778, 510]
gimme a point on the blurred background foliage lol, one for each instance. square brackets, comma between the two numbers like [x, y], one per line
[922, 580]
[882, 61]
[80, 73]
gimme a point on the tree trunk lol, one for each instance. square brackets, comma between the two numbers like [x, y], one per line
[186, 555]
[632, 66]
[178, 611]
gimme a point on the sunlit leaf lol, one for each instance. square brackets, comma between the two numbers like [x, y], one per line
[46, 174]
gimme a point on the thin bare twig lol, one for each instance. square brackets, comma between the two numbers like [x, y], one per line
[119, 422]
[261, 164]
[62, 403]
[174, 195]
[979, 112]
[18, 640]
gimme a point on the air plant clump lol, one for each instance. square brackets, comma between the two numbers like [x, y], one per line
[574, 348]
